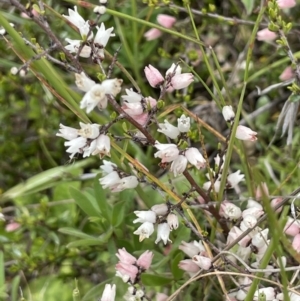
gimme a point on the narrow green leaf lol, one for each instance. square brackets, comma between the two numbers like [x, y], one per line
[176, 271]
[75, 232]
[101, 199]
[85, 243]
[2, 276]
[155, 280]
[118, 214]
[249, 4]
[15, 288]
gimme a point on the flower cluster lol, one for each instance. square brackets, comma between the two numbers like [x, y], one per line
[87, 141]
[167, 221]
[96, 44]
[115, 180]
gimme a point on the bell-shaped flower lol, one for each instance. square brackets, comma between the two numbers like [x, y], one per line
[160, 209]
[166, 152]
[163, 232]
[255, 211]
[90, 131]
[94, 97]
[202, 261]
[168, 129]
[195, 158]
[83, 82]
[230, 211]
[153, 76]
[181, 81]
[183, 124]
[228, 113]
[152, 34]
[266, 35]
[165, 20]
[286, 3]
[102, 146]
[175, 68]
[145, 216]
[127, 269]
[108, 167]
[144, 231]
[234, 178]
[103, 35]
[267, 292]
[145, 260]
[189, 265]
[74, 45]
[133, 108]
[234, 233]
[178, 166]
[292, 227]
[189, 248]
[251, 203]
[75, 146]
[245, 133]
[110, 180]
[131, 96]
[259, 240]
[172, 221]
[125, 257]
[112, 86]
[109, 293]
[216, 187]
[287, 74]
[67, 132]
[125, 183]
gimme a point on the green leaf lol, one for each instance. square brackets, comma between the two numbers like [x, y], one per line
[118, 214]
[86, 202]
[176, 271]
[155, 280]
[15, 288]
[74, 232]
[101, 200]
[2, 276]
[249, 4]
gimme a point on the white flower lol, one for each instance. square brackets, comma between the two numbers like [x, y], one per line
[228, 113]
[245, 133]
[145, 216]
[234, 178]
[126, 183]
[251, 203]
[259, 240]
[103, 35]
[90, 131]
[218, 161]
[144, 231]
[67, 132]
[83, 82]
[133, 108]
[74, 46]
[108, 167]
[216, 186]
[255, 211]
[75, 146]
[172, 68]
[168, 129]
[172, 221]
[109, 293]
[178, 166]
[160, 209]
[163, 232]
[94, 97]
[183, 124]
[230, 211]
[167, 152]
[101, 10]
[112, 86]
[131, 96]
[195, 158]
[102, 146]
[110, 180]
[269, 293]
[202, 261]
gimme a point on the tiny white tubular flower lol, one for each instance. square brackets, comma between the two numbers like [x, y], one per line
[67, 132]
[218, 161]
[195, 158]
[166, 152]
[103, 35]
[269, 293]
[168, 129]
[178, 166]
[144, 230]
[245, 133]
[163, 232]
[83, 82]
[94, 97]
[112, 86]
[90, 131]
[131, 96]
[160, 209]
[251, 203]
[74, 46]
[110, 180]
[102, 146]
[75, 146]
[216, 186]
[126, 183]
[228, 113]
[189, 248]
[133, 108]
[109, 293]
[172, 69]
[183, 124]
[89, 148]
[108, 167]
[234, 178]
[202, 261]
[230, 211]
[249, 221]
[260, 239]
[172, 221]
[145, 216]
[255, 211]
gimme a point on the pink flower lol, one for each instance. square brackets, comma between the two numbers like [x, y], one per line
[166, 20]
[286, 3]
[145, 260]
[125, 257]
[275, 202]
[261, 190]
[180, 81]
[11, 227]
[245, 133]
[292, 227]
[127, 269]
[167, 152]
[230, 211]
[287, 74]
[266, 35]
[202, 261]
[234, 233]
[152, 34]
[195, 158]
[161, 297]
[188, 265]
[153, 76]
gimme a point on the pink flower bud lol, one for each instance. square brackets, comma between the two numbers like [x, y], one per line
[144, 261]
[266, 35]
[245, 133]
[188, 265]
[202, 261]
[292, 227]
[127, 269]
[180, 81]
[167, 152]
[234, 233]
[286, 3]
[11, 227]
[287, 74]
[166, 20]
[152, 34]
[153, 76]
[191, 248]
[261, 190]
[125, 257]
